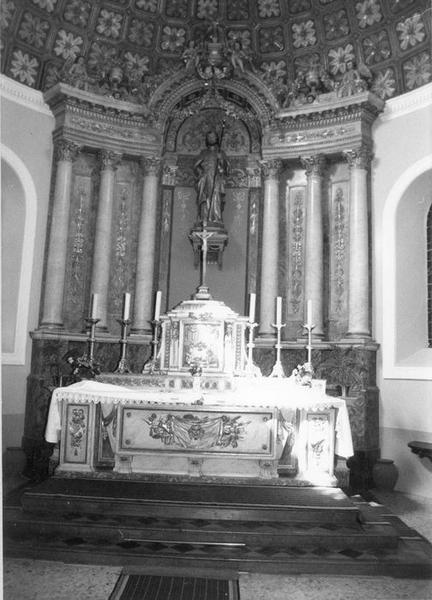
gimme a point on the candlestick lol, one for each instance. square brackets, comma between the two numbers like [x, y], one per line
[158, 305]
[93, 307]
[251, 368]
[122, 366]
[278, 310]
[277, 370]
[89, 355]
[252, 301]
[152, 364]
[126, 306]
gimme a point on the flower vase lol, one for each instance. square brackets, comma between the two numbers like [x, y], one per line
[385, 474]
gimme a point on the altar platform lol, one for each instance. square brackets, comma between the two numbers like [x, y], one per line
[244, 527]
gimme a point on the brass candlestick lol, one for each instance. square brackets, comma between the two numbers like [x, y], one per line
[122, 366]
[152, 365]
[277, 370]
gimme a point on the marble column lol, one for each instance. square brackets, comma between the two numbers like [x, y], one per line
[103, 242]
[358, 290]
[143, 306]
[270, 248]
[314, 242]
[52, 314]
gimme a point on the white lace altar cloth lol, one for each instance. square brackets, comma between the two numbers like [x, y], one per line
[264, 392]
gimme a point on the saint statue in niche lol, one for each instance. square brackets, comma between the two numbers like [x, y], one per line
[211, 169]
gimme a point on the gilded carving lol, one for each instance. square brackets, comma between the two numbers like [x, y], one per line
[66, 150]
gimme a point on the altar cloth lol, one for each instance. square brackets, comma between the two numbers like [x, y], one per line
[283, 394]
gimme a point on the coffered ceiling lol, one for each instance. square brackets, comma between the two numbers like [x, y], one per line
[391, 37]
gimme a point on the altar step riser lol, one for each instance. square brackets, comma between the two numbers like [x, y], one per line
[182, 510]
[20, 526]
[405, 563]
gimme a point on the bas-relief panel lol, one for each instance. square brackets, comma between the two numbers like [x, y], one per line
[295, 211]
[339, 257]
[126, 213]
[80, 240]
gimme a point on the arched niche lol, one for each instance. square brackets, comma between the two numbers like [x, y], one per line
[240, 139]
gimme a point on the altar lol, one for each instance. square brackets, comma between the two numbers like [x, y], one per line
[248, 431]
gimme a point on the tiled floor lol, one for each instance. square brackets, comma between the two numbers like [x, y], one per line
[42, 580]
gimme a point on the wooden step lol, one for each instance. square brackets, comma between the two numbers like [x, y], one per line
[20, 524]
[184, 500]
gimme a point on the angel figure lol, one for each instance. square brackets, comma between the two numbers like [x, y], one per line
[356, 79]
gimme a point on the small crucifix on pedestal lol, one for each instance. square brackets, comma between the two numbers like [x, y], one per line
[204, 235]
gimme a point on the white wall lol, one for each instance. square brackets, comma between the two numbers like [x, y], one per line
[26, 149]
[401, 196]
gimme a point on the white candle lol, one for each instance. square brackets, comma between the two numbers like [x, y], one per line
[158, 305]
[93, 306]
[252, 300]
[126, 306]
[279, 310]
[309, 313]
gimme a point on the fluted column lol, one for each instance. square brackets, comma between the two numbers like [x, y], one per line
[146, 246]
[270, 247]
[314, 262]
[358, 295]
[102, 246]
[52, 314]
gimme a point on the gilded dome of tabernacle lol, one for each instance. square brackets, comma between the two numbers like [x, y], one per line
[392, 38]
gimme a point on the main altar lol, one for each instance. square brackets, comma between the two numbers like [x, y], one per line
[200, 409]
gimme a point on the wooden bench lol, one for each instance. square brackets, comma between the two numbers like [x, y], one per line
[422, 449]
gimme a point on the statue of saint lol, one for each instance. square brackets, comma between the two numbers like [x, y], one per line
[211, 169]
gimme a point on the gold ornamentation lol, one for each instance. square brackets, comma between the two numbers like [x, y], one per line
[271, 168]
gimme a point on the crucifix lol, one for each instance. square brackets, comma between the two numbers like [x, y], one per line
[203, 235]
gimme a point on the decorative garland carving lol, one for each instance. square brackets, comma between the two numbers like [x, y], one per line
[339, 248]
[297, 237]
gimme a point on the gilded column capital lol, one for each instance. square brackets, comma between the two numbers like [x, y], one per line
[151, 164]
[358, 157]
[66, 150]
[271, 168]
[313, 165]
[109, 159]
[169, 174]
